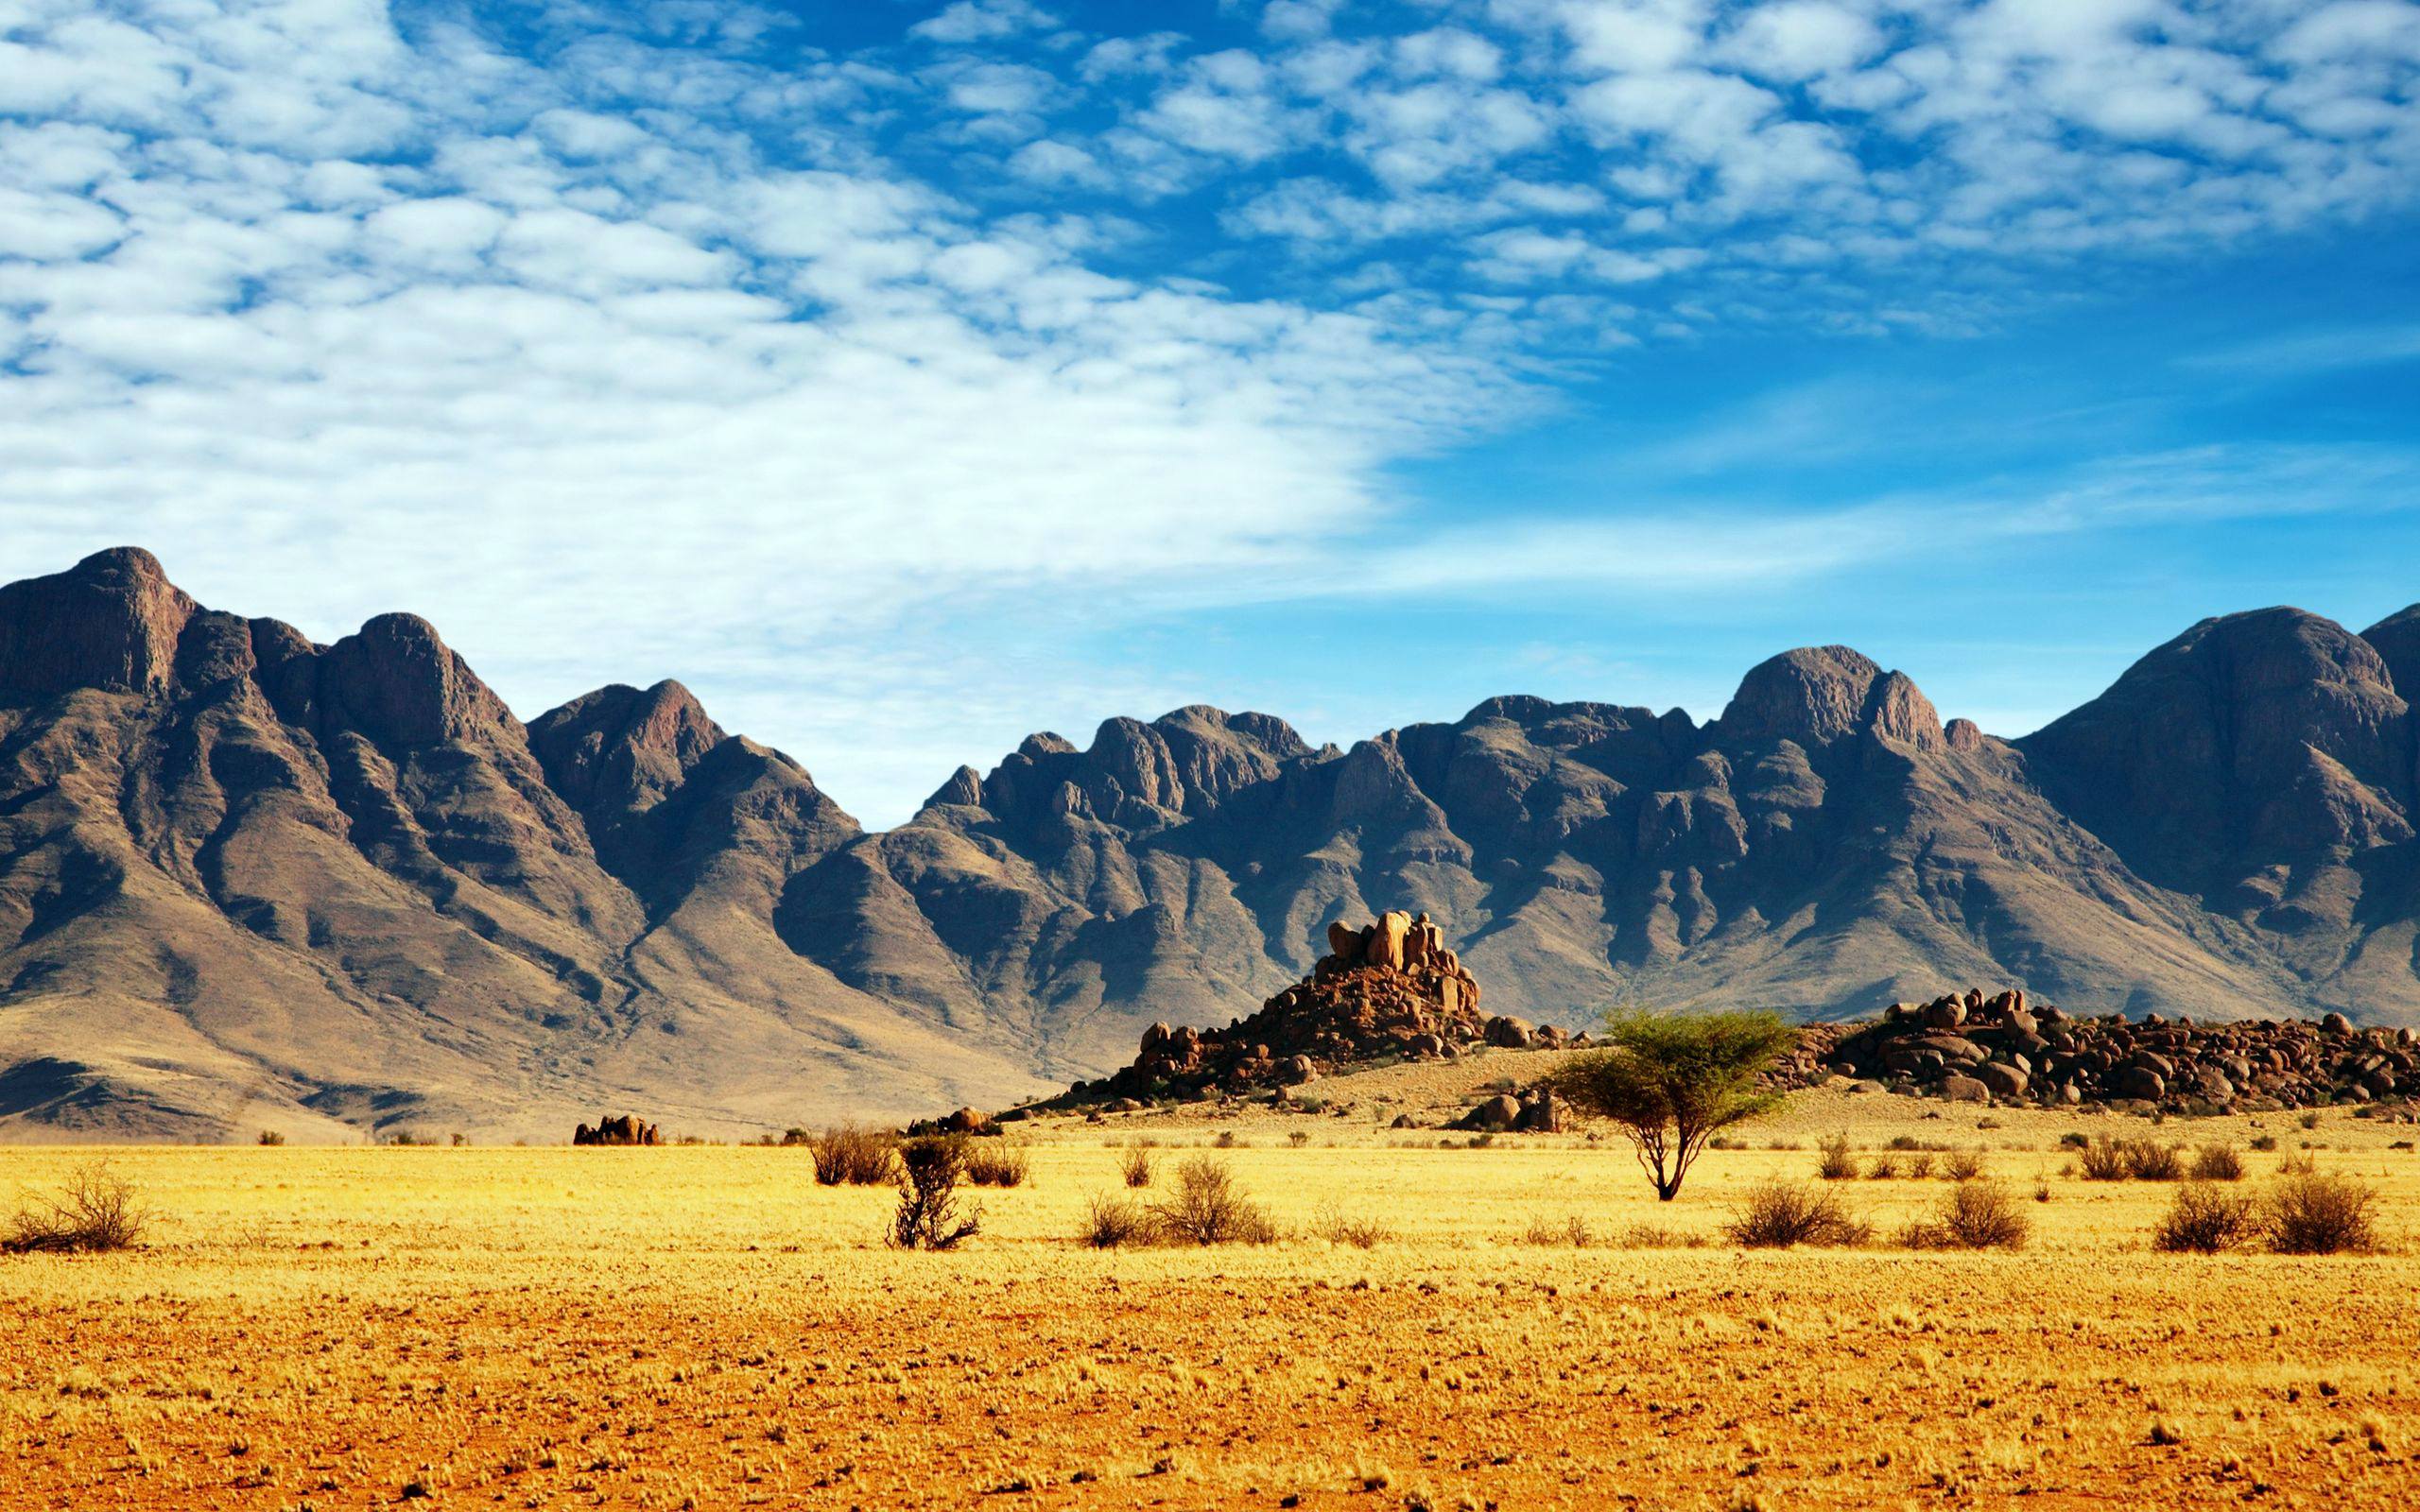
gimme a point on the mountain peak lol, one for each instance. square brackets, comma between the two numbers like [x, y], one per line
[109, 622]
[2396, 640]
[1814, 695]
[398, 683]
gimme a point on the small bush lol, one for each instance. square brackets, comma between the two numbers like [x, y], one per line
[270, 1138]
[1550, 1233]
[1919, 1165]
[97, 1212]
[1208, 1209]
[1833, 1163]
[1883, 1169]
[1962, 1166]
[2105, 1160]
[931, 1214]
[2264, 1141]
[849, 1156]
[1112, 1222]
[2308, 1121]
[1655, 1236]
[1777, 1214]
[997, 1164]
[1226, 1140]
[1136, 1166]
[2305, 1165]
[2204, 1219]
[1298, 1139]
[2217, 1163]
[1361, 1233]
[2074, 1139]
[2150, 1160]
[2312, 1214]
[1972, 1215]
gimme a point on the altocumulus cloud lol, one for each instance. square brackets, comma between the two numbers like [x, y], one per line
[670, 340]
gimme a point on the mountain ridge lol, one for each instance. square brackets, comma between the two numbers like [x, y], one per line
[248, 879]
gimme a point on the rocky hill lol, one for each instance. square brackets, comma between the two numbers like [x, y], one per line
[246, 881]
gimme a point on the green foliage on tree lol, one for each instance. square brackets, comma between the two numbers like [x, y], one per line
[1673, 1080]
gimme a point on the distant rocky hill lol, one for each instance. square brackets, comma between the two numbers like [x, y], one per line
[246, 881]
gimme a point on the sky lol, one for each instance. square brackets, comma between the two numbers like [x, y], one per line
[906, 378]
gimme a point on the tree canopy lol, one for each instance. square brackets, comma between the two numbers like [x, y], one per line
[1671, 1080]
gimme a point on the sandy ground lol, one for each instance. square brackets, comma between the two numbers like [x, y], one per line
[703, 1327]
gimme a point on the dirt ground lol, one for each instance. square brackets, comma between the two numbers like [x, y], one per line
[703, 1327]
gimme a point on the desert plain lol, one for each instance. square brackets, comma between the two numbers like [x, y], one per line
[704, 1327]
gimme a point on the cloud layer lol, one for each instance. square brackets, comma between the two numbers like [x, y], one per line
[859, 385]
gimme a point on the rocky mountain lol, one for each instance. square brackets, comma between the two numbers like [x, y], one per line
[246, 881]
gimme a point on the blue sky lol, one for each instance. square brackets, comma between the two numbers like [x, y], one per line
[908, 377]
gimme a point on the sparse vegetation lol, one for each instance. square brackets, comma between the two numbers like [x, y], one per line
[1833, 1162]
[1208, 1207]
[2217, 1163]
[2307, 1213]
[1113, 1222]
[2152, 1160]
[1962, 1166]
[846, 1155]
[1550, 1233]
[1777, 1214]
[931, 1214]
[1673, 1081]
[1972, 1215]
[2204, 1218]
[94, 1213]
[1135, 1165]
[270, 1139]
[994, 1162]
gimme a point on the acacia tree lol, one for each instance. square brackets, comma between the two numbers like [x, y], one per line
[1673, 1080]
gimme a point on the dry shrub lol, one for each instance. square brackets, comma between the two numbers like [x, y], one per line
[96, 1211]
[1655, 1236]
[846, 1155]
[1883, 1169]
[1208, 1209]
[2150, 1160]
[1777, 1214]
[1136, 1166]
[997, 1164]
[1962, 1166]
[2217, 1163]
[2105, 1160]
[1919, 1165]
[931, 1214]
[1972, 1215]
[1112, 1222]
[2312, 1215]
[1548, 1233]
[1834, 1162]
[270, 1139]
[1359, 1233]
[2204, 1219]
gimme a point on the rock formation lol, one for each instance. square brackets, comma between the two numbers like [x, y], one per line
[2004, 1048]
[1389, 989]
[622, 1128]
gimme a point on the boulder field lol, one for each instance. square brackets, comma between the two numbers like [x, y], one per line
[1971, 1047]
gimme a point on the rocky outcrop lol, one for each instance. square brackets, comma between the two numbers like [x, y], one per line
[2005, 1048]
[622, 1128]
[1389, 989]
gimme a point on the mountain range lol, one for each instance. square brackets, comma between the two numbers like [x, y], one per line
[249, 882]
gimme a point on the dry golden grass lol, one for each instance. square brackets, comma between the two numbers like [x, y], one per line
[709, 1327]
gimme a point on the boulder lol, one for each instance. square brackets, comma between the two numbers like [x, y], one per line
[1508, 1033]
[1385, 949]
[1497, 1114]
[1964, 1090]
[2006, 1082]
